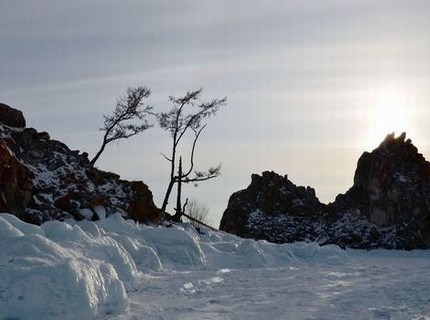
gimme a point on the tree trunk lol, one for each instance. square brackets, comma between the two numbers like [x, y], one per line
[178, 214]
[166, 197]
[172, 176]
[93, 161]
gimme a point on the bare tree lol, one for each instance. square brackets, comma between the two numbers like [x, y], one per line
[120, 124]
[197, 212]
[187, 115]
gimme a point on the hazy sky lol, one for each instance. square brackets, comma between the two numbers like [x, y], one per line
[310, 84]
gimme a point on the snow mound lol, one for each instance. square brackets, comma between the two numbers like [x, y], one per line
[239, 253]
[40, 279]
[175, 248]
[82, 270]
[102, 248]
[25, 228]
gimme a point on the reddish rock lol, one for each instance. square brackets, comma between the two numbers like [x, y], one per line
[142, 207]
[63, 203]
[15, 181]
[97, 201]
[11, 117]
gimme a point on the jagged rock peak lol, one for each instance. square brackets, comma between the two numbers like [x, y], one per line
[399, 147]
[393, 181]
[394, 156]
[269, 194]
[391, 140]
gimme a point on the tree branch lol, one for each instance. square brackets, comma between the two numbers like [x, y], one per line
[165, 157]
[197, 134]
[117, 125]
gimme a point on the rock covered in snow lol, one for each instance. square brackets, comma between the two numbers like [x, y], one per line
[272, 195]
[42, 179]
[388, 205]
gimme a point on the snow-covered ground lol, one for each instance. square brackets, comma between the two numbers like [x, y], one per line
[115, 269]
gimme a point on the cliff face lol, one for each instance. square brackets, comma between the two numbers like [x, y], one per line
[388, 205]
[391, 184]
[42, 179]
[268, 207]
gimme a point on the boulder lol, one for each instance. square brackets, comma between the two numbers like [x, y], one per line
[142, 207]
[63, 203]
[16, 186]
[11, 117]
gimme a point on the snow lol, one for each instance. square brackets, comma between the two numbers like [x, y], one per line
[101, 211]
[117, 269]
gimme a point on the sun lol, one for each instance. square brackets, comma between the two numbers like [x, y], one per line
[389, 111]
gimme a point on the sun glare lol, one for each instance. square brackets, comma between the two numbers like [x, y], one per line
[389, 111]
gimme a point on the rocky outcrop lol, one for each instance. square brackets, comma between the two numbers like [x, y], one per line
[16, 181]
[392, 191]
[270, 196]
[388, 205]
[11, 117]
[141, 207]
[42, 179]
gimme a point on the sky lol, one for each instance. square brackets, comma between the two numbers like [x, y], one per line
[310, 85]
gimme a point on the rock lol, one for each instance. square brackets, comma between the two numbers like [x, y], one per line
[99, 177]
[16, 184]
[392, 182]
[42, 179]
[11, 117]
[388, 205]
[392, 190]
[63, 203]
[142, 207]
[96, 201]
[269, 198]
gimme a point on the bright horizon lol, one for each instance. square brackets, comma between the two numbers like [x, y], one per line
[310, 85]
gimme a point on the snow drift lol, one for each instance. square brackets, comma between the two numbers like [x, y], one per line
[79, 270]
[115, 269]
[46, 276]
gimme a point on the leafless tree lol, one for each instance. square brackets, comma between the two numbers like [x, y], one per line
[187, 115]
[121, 123]
[198, 212]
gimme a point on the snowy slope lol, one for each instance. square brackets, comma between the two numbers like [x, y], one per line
[116, 269]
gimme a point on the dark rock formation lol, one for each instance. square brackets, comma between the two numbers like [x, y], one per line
[388, 205]
[256, 210]
[392, 191]
[42, 179]
[11, 117]
[141, 206]
[16, 181]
